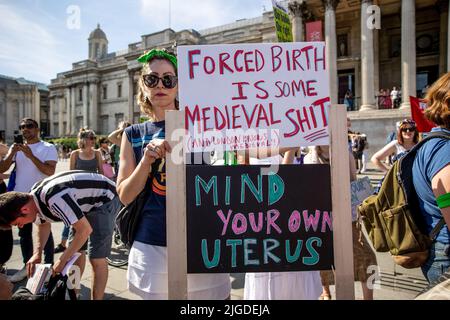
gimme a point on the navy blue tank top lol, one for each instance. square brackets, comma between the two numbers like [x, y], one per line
[152, 227]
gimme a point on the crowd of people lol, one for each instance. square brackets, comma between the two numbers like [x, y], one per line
[87, 197]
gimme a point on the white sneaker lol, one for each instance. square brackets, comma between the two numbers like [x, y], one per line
[19, 275]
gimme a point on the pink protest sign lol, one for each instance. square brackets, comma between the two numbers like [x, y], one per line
[245, 96]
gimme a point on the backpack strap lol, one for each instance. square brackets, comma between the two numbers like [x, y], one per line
[437, 228]
[405, 173]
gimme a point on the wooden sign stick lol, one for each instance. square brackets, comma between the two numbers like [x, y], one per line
[176, 209]
[340, 197]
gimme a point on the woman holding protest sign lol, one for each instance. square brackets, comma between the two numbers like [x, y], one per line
[364, 259]
[142, 169]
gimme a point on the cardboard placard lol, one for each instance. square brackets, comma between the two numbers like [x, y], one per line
[243, 96]
[239, 220]
[283, 25]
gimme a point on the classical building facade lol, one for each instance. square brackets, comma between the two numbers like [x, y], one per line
[20, 98]
[410, 50]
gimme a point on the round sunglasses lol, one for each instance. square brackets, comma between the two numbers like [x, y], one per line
[168, 81]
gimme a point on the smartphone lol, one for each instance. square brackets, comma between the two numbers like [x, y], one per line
[18, 139]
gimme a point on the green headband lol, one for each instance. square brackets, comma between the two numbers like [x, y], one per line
[146, 57]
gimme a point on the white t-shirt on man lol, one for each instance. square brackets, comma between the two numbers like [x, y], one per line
[27, 174]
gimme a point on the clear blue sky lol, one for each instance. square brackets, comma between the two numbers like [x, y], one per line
[39, 38]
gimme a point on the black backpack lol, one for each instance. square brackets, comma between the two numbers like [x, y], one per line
[55, 289]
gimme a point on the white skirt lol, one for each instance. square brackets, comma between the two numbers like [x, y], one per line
[304, 285]
[147, 276]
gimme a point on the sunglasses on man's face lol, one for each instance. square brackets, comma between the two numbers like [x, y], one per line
[412, 129]
[27, 125]
[168, 81]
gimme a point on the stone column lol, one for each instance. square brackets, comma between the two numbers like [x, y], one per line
[443, 26]
[51, 116]
[21, 106]
[86, 105]
[93, 106]
[408, 52]
[330, 40]
[295, 10]
[367, 61]
[68, 101]
[130, 96]
[73, 93]
[60, 102]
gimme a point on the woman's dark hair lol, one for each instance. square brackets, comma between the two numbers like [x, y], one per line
[10, 205]
[103, 140]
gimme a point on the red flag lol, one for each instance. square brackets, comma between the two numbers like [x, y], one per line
[314, 31]
[417, 108]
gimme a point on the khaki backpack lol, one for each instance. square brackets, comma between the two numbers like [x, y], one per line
[392, 217]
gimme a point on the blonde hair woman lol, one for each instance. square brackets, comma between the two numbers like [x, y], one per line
[142, 166]
[88, 159]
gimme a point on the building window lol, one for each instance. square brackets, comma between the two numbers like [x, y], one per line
[80, 95]
[105, 92]
[79, 123]
[118, 118]
[342, 45]
[104, 124]
[119, 90]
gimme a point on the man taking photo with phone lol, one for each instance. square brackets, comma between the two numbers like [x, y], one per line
[34, 160]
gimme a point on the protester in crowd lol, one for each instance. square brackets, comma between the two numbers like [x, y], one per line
[395, 97]
[407, 137]
[431, 178]
[359, 145]
[116, 138]
[6, 236]
[88, 159]
[348, 100]
[295, 285]
[84, 200]
[142, 165]
[107, 163]
[34, 160]
[363, 255]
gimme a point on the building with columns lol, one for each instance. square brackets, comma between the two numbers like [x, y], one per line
[20, 98]
[406, 47]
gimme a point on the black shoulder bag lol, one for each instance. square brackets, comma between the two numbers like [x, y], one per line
[129, 216]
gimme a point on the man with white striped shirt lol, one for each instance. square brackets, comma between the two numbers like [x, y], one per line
[86, 201]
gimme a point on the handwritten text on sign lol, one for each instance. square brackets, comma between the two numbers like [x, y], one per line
[239, 220]
[227, 90]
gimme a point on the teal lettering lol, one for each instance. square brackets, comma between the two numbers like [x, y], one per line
[314, 258]
[267, 250]
[298, 248]
[276, 188]
[245, 180]
[206, 187]
[233, 243]
[247, 252]
[227, 190]
[216, 257]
